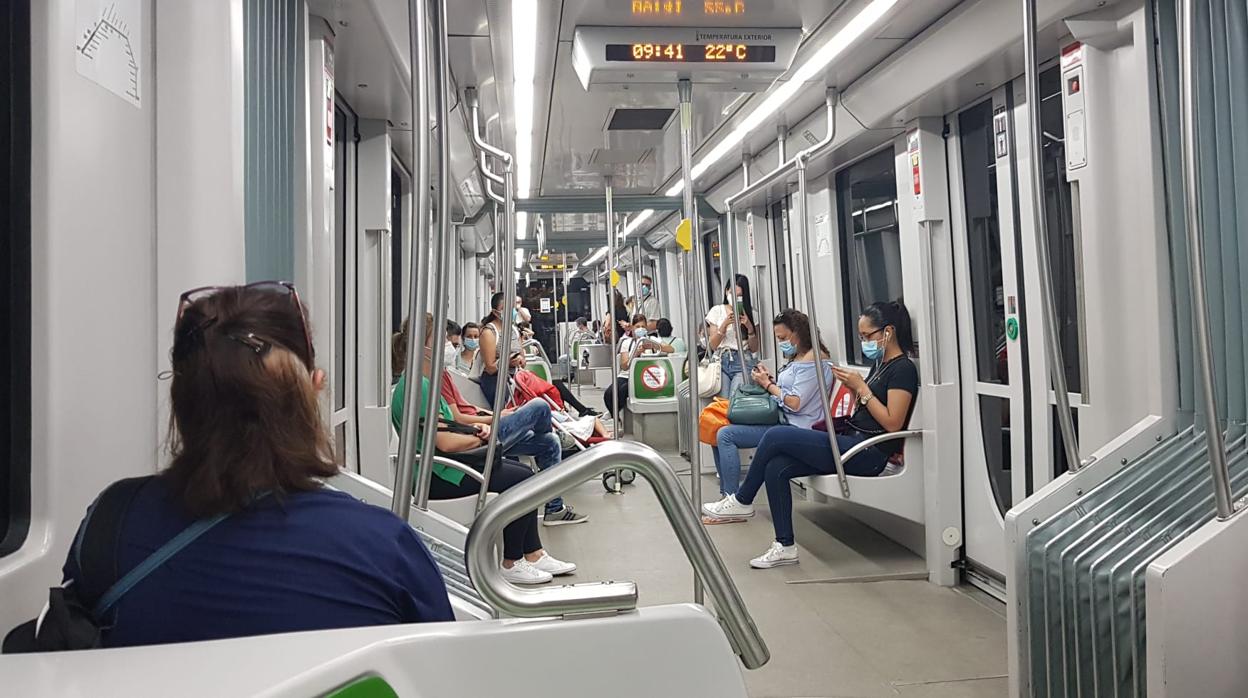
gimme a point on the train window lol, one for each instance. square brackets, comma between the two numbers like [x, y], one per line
[870, 242]
[15, 269]
[341, 236]
[1061, 229]
[779, 215]
[714, 283]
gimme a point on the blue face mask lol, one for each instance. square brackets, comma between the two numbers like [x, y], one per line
[640, 332]
[472, 344]
[515, 316]
[872, 349]
[787, 349]
[645, 291]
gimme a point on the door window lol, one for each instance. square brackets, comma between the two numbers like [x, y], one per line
[779, 215]
[870, 243]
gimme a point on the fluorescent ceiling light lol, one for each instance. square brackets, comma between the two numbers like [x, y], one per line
[524, 68]
[784, 91]
[522, 225]
[519, 258]
[637, 220]
[593, 258]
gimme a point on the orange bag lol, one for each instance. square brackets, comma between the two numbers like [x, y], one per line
[712, 419]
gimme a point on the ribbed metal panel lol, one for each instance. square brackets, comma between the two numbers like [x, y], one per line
[273, 54]
[1086, 564]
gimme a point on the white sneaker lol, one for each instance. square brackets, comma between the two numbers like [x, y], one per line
[524, 572]
[728, 508]
[553, 567]
[775, 556]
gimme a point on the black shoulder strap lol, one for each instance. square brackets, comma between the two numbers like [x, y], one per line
[98, 550]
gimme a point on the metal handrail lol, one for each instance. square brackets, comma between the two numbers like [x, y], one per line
[502, 253]
[812, 311]
[607, 597]
[1218, 463]
[456, 465]
[1035, 181]
[877, 440]
[541, 349]
[417, 293]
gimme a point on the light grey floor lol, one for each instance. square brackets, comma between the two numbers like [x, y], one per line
[907, 638]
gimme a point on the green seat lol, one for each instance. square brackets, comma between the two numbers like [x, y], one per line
[364, 687]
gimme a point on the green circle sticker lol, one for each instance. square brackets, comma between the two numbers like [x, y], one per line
[1011, 328]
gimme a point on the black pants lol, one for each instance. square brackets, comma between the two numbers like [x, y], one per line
[621, 388]
[569, 399]
[520, 536]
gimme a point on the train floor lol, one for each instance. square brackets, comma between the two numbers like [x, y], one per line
[861, 640]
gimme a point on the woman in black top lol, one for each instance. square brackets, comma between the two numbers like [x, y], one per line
[885, 403]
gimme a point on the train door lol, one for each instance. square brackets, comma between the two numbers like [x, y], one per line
[342, 345]
[989, 292]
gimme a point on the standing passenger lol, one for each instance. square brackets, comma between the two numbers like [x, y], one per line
[722, 333]
[648, 303]
[486, 367]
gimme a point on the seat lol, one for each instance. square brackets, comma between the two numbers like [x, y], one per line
[470, 389]
[652, 405]
[461, 510]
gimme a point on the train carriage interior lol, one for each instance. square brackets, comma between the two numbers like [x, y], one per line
[891, 347]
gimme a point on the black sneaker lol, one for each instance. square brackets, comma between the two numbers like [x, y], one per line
[590, 412]
[563, 517]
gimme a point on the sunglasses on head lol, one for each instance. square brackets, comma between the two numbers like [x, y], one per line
[249, 339]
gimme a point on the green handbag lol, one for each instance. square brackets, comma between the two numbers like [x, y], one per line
[751, 404]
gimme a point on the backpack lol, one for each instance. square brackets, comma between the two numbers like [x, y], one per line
[77, 613]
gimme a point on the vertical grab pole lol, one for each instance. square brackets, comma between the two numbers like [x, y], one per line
[1035, 181]
[417, 289]
[617, 420]
[506, 285]
[692, 316]
[1196, 260]
[812, 309]
[441, 62]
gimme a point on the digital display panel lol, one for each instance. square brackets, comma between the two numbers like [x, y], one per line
[726, 52]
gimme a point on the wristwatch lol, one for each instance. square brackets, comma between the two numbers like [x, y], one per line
[864, 399]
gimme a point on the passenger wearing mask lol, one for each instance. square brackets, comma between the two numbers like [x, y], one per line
[666, 335]
[796, 392]
[249, 454]
[647, 299]
[885, 404]
[637, 334]
[468, 349]
[721, 331]
[524, 559]
[454, 338]
[486, 365]
[522, 313]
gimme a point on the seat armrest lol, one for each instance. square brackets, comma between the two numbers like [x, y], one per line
[879, 439]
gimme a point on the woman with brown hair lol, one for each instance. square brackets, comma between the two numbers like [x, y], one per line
[278, 551]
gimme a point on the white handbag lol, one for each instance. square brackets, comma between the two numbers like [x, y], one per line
[710, 376]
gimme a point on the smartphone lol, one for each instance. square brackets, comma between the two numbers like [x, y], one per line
[740, 306]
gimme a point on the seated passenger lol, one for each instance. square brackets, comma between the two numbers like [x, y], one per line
[667, 335]
[524, 559]
[454, 337]
[468, 352]
[531, 387]
[637, 334]
[247, 443]
[522, 432]
[885, 404]
[796, 390]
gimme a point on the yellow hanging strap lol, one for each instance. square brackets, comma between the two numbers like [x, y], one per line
[684, 234]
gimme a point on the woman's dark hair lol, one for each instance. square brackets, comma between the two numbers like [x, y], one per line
[664, 327]
[453, 328]
[470, 326]
[885, 313]
[639, 318]
[618, 307]
[399, 344]
[245, 417]
[799, 324]
[495, 301]
[744, 283]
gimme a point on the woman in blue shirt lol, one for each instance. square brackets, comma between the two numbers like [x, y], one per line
[248, 442]
[796, 390]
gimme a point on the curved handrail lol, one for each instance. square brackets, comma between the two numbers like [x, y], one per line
[540, 349]
[878, 439]
[456, 465]
[604, 597]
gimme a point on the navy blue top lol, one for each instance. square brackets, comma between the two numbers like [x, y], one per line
[307, 561]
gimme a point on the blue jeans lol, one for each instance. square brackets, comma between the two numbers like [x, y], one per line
[786, 452]
[528, 432]
[730, 373]
[729, 442]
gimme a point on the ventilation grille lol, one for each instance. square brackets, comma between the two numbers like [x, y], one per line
[639, 119]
